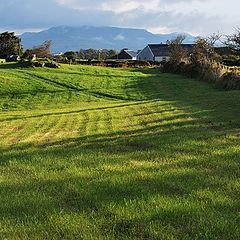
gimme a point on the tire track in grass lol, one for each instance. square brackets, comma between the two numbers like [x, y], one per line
[84, 124]
[130, 121]
[32, 131]
[51, 122]
[55, 128]
[10, 133]
[6, 129]
[58, 132]
[22, 131]
[108, 121]
[42, 124]
[94, 123]
[70, 126]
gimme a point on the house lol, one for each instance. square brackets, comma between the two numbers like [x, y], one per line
[126, 54]
[58, 54]
[158, 52]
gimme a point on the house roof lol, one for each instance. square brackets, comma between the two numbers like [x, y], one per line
[131, 53]
[159, 50]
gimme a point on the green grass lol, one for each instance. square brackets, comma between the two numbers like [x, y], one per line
[100, 153]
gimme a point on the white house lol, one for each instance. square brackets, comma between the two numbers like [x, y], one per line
[158, 52]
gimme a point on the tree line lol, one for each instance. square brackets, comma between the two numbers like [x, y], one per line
[10, 44]
[101, 54]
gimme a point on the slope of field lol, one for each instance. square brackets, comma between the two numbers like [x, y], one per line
[97, 153]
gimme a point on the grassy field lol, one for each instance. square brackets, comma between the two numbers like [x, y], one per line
[97, 153]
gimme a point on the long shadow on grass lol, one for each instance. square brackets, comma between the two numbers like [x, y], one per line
[168, 192]
[127, 172]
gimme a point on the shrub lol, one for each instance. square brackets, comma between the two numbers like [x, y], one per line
[38, 64]
[52, 65]
[229, 81]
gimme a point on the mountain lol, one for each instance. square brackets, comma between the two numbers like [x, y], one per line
[66, 38]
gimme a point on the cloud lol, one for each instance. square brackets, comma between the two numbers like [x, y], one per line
[119, 37]
[194, 16]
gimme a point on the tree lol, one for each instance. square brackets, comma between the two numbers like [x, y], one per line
[212, 39]
[200, 49]
[70, 55]
[96, 54]
[112, 53]
[204, 49]
[10, 45]
[41, 51]
[233, 41]
[176, 52]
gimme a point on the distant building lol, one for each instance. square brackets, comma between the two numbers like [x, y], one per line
[57, 54]
[158, 52]
[126, 54]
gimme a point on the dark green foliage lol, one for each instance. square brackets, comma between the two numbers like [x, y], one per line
[39, 64]
[52, 65]
[70, 55]
[10, 45]
[97, 54]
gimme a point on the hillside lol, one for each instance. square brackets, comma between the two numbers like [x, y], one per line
[74, 38]
[99, 153]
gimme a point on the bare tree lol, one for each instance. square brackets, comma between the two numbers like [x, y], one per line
[212, 39]
[41, 51]
[204, 49]
[233, 41]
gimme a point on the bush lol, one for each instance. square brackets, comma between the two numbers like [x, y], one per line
[38, 64]
[52, 65]
[207, 71]
[229, 81]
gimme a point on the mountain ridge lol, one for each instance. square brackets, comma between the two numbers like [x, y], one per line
[66, 38]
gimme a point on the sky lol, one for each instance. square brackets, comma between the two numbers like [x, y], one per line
[197, 17]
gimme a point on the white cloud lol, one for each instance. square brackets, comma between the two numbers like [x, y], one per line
[119, 37]
[127, 6]
[194, 16]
